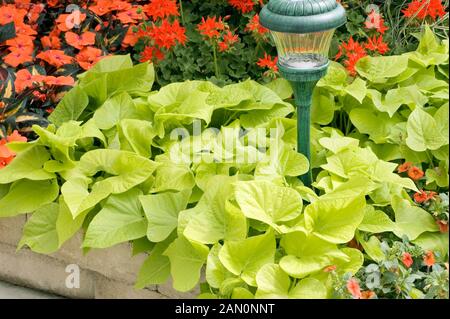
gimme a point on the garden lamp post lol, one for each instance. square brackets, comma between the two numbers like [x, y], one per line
[302, 31]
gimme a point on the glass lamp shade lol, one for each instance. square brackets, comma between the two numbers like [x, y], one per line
[303, 50]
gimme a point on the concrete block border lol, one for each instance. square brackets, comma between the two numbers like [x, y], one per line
[104, 273]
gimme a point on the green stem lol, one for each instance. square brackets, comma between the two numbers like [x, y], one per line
[182, 12]
[257, 48]
[216, 66]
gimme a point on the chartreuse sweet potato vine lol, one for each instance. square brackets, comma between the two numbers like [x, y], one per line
[123, 163]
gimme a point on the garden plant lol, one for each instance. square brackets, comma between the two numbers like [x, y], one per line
[165, 124]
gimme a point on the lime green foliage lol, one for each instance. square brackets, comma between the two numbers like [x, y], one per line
[114, 167]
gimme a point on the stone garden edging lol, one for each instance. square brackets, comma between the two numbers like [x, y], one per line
[104, 273]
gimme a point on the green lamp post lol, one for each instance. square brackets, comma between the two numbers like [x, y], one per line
[302, 31]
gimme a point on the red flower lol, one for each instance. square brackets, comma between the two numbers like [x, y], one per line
[443, 226]
[151, 53]
[353, 51]
[424, 8]
[80, 41]
[167, 35]
[161, 9]
[268, 62]
[421, 197]
[354, 288]
[211, 27]
[55, 57]
[404, 167]
[255, 26]
[88, 57]
[228, 40]
[375, 21]
[407, 260]
[245, 6]
[377, 44]
[415, 173]
[428, 259]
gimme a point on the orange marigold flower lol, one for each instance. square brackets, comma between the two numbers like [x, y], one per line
[407, 259]
[88, 56]
[354, 288]
[268, 62]
[429, 259]
[245, 6]
[56, 58]
[415, 173]
[80, 41]
[161, 9]
[404, 167]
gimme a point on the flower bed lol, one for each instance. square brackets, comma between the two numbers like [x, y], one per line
[202, 177]
[44, 45]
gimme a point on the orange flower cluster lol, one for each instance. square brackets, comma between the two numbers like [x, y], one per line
[353, 51]
[423, 196]
[270, 63]
[159, 36]
[414, 172]
[355, 290]
[218, 33]
[421, 9]
[6, 155]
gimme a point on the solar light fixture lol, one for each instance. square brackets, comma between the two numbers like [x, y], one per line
[302, 31]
